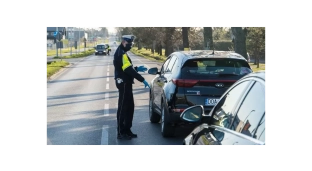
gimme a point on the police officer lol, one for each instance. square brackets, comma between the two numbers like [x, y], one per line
[108, 49]
[124, 77]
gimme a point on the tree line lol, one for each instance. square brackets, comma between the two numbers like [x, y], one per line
[239, 39]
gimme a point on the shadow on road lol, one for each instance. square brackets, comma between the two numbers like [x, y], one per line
[87, 129]
[85, 66]
[78, 79]
[137, 91]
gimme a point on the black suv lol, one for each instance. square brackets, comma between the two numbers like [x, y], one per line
[189, 78]
[100, 49]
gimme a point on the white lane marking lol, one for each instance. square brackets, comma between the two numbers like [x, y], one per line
[107, 69]
[107, 79]
[104, 138]
[107, 86]
[143, 63]
[106, 96]
[106, 108]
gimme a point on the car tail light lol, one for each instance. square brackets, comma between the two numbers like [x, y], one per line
[184, 82]
[178, 110]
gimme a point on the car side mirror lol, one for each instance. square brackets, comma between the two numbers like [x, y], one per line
[153, 71]
[193, 113]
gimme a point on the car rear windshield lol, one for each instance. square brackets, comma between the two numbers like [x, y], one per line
[100, 47]
[215, 67]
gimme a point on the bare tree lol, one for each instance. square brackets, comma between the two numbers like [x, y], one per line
[208, 37]
[239, 36]
[104, 31]
[169, 31]
[256, 42]
[186, 44]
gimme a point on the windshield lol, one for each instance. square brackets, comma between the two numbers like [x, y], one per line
[215, 67]
[100, 46]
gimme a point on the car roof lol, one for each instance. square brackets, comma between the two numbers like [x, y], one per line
[208, 54]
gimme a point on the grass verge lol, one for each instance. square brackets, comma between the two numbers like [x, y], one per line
[54, 67]
[78, 55]
[67, 50]
[254, 67]
[64, 50]
[148, 54]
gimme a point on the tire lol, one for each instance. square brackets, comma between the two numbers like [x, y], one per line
[154, 117]
[166, 129]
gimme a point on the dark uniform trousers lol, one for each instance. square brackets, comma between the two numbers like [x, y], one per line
[125, 107]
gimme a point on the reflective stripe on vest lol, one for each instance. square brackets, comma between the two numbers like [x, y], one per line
[125, 62]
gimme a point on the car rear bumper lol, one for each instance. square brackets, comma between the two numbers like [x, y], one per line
[100, 53]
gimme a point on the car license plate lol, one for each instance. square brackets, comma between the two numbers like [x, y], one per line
[211, 102]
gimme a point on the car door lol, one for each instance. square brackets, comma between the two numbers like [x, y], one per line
[251, 114]
[158, 84]
[222, 115]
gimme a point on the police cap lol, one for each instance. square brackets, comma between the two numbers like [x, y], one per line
[128, 38]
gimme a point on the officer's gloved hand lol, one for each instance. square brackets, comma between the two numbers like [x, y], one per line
[141, 69]
[146, 84]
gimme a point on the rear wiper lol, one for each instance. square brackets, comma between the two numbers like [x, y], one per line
[228, 74]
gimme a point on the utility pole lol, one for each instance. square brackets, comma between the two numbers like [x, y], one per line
[71, 41]
[56, 42]
[79, 40]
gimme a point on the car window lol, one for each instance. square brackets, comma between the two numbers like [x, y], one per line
[165, 65]
[176, 65]
[260, 132]
[251, 111]
[206, 67]
[171, 63]
[100, 46]
[222, 114]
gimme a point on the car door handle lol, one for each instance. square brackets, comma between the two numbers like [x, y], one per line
[234, 144]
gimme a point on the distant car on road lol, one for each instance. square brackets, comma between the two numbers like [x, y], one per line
[190, 78]
[100, 49]
[237, 119]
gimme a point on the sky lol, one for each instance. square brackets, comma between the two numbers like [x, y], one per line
[111, 29]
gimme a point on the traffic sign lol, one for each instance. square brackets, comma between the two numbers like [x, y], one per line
[55, 33]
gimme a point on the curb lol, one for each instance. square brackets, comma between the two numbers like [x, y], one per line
[59, 72]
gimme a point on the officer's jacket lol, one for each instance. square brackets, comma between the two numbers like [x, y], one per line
[124, 68]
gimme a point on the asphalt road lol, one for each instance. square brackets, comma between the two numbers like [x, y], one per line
[82, 105]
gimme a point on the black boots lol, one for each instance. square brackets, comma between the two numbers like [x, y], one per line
[127, 135]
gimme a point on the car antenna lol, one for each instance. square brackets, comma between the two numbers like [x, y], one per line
[212, 50]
